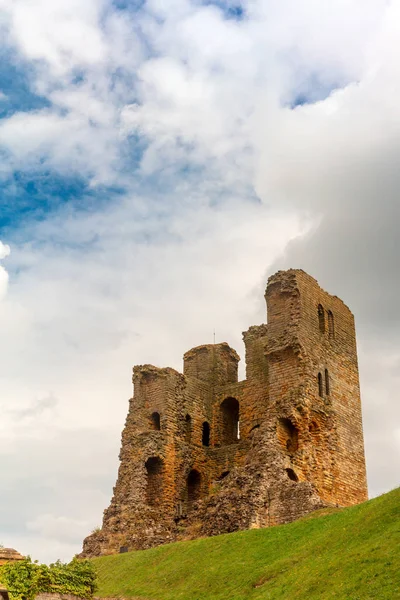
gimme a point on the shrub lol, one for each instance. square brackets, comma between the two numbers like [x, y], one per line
[26, 579]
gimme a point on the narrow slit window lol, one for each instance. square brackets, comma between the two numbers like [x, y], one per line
[320, 385]
[206, 434]
[327, 385]
[321, 318]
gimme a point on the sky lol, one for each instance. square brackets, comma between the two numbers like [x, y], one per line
[159, 160]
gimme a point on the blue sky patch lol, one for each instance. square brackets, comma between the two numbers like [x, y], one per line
[15, 85]
[231, 10]
[24, 197]
[133, 5]
[312, 90]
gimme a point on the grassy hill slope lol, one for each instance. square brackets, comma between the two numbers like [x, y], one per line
[351, 554]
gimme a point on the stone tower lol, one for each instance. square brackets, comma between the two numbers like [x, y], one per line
[203, 453]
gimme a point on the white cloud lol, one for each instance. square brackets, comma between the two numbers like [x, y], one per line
[4, 250]
[194, 98]
[337, 158]
[67, 143]
[58, 528]
[64, 34]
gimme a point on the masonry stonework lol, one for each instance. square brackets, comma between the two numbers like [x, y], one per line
[203, 453]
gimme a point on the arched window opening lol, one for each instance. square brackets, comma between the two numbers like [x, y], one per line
[154, 471]
[327, 385]
[331, 324]
[188, 429]
[321, 318]
[193, 487]
[205, 438]
[230, 432]
[155, 421]
[288, 435]
[291, 474]
[320, 385]
[223, 475]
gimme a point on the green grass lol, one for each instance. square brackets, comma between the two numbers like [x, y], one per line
[351, 554]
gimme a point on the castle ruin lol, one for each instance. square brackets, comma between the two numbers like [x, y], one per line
[203, 453]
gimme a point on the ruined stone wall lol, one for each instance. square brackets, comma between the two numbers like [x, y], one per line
[335, 416]
[204, 454]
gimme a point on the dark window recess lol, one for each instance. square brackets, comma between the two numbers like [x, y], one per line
[321, 318]
[123, 549]
[155, 421]
[193, 487]
[291, 474]
[327, 384]
[154, 487]
[188, 429]
[331, 325]
[320, 385]
[205, 438]
[230, 421]
[288, 435]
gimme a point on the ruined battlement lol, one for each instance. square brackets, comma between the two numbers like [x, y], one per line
[216, 364]
[203, 453]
